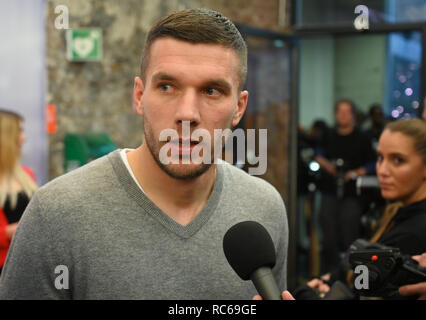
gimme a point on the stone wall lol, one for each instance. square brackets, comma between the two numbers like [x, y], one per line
[97, 96]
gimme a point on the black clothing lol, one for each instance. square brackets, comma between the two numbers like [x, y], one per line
[340, 226]
[14, 215]
[341, 208]
[354, 149]
[373, 136]
[409, 232]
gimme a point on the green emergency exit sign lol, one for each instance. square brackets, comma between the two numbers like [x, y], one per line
[84, 44]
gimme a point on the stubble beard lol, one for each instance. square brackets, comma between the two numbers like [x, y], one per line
[184, 172]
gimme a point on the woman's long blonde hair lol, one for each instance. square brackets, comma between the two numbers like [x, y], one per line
[10, 156]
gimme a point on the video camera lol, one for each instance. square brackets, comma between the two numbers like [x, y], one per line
[388, 269]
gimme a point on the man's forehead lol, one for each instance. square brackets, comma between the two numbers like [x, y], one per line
[169, 46]
[169, 50]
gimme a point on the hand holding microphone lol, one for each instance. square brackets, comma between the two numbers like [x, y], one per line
[249, 249]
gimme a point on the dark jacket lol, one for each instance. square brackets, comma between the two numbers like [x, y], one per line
[409, 230]
[354, 149]
[407, 234]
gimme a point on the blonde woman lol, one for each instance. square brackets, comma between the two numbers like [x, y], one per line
[17, 183]
[401, 170]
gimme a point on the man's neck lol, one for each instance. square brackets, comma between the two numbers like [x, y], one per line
[181, 200]
[346, 130]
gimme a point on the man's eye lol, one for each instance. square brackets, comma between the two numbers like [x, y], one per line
[165, 87]
[212, 92]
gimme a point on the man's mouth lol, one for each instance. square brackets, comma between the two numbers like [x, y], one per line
[183, 147]
[184, 142]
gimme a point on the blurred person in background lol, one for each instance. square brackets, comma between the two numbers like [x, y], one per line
[17, 183]
[361, 118]
[378, 122]
[346, 155]
[401, 170]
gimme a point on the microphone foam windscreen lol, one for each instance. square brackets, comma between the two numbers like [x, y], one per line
[248, 246]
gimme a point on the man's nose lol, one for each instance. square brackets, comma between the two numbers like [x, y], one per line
[188, 108]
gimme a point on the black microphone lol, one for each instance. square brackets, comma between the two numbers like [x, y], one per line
[249, 249]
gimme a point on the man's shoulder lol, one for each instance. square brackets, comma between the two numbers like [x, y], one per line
[251, 198]
[79, 183]
[235, 173]
[247, 186]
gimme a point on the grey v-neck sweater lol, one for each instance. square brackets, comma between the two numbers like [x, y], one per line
[115, 243]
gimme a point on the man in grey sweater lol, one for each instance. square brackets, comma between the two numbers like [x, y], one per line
[129, 225]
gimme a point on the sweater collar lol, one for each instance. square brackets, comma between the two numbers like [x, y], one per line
[136, 194]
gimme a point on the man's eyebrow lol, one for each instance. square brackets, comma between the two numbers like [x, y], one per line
[221, 83]
[162, 76]
[218, 83]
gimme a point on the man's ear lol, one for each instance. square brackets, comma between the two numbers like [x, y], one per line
[241, 107]
[137, 95]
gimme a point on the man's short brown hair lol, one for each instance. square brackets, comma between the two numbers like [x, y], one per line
[198, 26]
